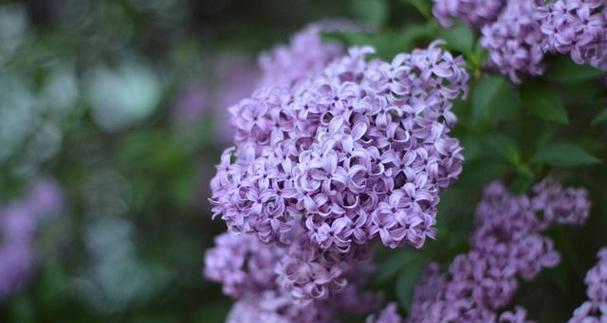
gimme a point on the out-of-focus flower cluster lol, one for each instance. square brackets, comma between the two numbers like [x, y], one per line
[507, 243]
[595, 309]
[476, 13]
[518, 33]
[577, 28]
[18, 222]
[329, 158]
[513, 41]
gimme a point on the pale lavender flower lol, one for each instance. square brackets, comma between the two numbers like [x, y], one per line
[514, 41]
[595, 309]
[475, 13]
[577, 28]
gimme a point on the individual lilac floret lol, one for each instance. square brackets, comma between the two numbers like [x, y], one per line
[475, 13]
[506, 245]
[357, 152]
[514, 41]
[577, 28]
[595, 309]
[305, 54]
[18, 222]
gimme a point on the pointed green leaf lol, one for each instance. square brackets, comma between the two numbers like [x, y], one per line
[564, 154]
[493, 99]
[564, 70]
[406, 282]
[459, 37]
[544, 102]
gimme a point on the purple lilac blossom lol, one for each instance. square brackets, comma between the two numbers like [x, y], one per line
[506, 245]
[357, 152]
[577, 28]
[18, 222]
[595, 309]
[475, 13]
[514, 41]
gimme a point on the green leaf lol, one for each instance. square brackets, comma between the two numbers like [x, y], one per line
[600, 118]
[493, 99]
[506, 147]
[544, 102]
[564, 154]
[564, 70]
[406, 282]
[459, 37]
[374, 11]
[391, 266]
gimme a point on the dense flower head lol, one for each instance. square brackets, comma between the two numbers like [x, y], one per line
[18, 222]
[514, 41]
[595, 309]
[476, 13]
[577, 28]
[506, 245]
[357, 152]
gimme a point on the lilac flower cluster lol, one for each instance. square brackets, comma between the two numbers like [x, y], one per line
[506, 244]
[519, 33]
[578, 28]
[513, 41]
[595, 309]
[357, 152]
[18, 222]
[476, 13]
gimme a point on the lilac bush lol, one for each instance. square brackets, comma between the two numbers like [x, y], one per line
[476, 13]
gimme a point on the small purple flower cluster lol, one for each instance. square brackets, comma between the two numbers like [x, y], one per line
[578, 28]
[18, 222]
[476, 13]
[595, 309]
[513, 41]
[506, 244]
[518, 33]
